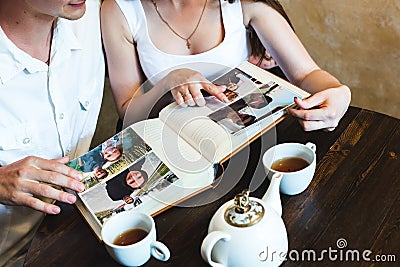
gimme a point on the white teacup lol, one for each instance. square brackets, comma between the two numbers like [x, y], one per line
[293, 182]
[137, 253]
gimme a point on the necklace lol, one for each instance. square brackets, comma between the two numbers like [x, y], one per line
[187, 39]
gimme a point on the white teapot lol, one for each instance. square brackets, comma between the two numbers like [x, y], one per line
[248, 231]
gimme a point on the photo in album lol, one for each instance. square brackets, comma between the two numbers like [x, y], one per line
[110, 158]
[142, 181]
[247, 108]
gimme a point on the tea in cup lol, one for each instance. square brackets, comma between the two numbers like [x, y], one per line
[295, 161]
[130, 238]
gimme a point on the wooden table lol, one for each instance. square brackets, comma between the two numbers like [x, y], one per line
[354, 199]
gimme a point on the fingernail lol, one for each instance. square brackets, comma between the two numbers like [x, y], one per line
[81, 187]
[200, 101]
[71, 199]
[183, 105]
[79, 176]
[55, 210]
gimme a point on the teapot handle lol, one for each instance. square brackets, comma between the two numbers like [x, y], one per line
[209, 243]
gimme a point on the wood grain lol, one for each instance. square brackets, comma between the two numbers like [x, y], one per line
[354, 195]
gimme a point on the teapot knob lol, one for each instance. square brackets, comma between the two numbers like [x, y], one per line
[241, 201]
[244, 211]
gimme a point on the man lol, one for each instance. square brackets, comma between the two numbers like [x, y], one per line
[51, 84]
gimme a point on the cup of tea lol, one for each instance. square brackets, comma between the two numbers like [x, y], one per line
[130, 238]
[295, 161]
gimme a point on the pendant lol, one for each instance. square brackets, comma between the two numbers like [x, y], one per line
[187, 43]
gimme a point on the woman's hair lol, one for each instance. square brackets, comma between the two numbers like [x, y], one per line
[257, 48]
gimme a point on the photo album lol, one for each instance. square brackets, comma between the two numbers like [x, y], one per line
[157, 163]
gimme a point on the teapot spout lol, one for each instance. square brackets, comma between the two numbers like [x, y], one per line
[272, 196]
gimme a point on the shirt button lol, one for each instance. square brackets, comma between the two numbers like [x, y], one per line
[87, 104]
[61, 116]
[26, 140]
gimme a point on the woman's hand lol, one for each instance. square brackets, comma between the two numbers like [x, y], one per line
[323, 110]
[24, 181]
[185, 86]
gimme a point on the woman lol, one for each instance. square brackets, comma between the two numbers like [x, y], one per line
[144, 38]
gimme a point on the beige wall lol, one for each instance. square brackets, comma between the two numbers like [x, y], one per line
[357, 41]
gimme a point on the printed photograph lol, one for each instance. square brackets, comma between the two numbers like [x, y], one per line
[230, 80]
[233, 119]
[111, 157]
[143, 180]
[259, 101]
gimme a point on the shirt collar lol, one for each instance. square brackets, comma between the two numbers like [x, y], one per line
[13, 60]
[10, 58]
[64, 42]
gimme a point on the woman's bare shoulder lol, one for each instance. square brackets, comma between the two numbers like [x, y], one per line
[257, 9]
[113, 20]
[110, 7]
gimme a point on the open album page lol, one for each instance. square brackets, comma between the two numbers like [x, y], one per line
[127, 173]
[218, 130]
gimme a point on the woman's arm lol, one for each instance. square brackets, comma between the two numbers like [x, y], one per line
[330, 98]
[126, 75]
[123, 65]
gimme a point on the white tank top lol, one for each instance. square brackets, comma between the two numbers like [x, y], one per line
[232, 51]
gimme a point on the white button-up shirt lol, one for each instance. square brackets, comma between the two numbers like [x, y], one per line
[49, 111]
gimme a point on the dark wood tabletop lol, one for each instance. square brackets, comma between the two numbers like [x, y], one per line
[351, 207]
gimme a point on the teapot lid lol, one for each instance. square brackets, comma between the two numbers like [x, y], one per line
[244, 212]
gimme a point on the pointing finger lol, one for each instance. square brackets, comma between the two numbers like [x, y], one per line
[216, 91]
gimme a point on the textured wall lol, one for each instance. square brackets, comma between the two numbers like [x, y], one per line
[358, 42]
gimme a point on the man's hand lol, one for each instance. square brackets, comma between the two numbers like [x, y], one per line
[22, 182]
